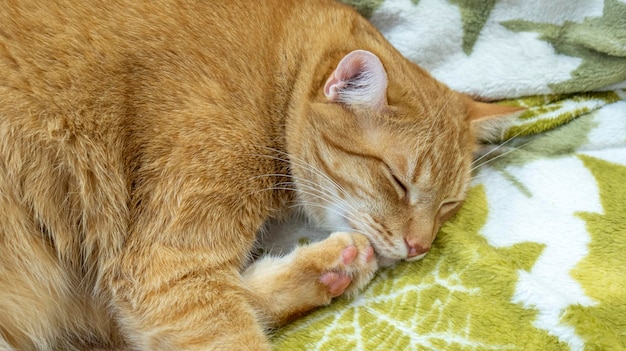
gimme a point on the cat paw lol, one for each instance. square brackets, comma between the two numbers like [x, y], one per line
[344, 262]
[310, 276]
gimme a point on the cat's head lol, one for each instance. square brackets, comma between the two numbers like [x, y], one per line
[387, 153]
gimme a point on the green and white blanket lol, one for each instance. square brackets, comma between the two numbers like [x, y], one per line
[536, 259]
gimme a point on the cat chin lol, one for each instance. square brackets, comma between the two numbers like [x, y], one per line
[416, 258]
[388, 262]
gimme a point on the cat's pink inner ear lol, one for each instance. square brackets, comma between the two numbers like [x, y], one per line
[359, 79]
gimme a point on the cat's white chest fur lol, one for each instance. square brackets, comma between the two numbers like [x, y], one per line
[280, 237]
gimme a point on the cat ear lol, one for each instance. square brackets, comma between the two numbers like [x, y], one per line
[488, 121]
[359, 79]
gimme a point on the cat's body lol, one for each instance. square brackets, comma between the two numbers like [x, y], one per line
[144, 143]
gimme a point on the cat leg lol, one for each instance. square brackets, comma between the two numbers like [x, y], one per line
[178, 302]
[310, 276]
[40, 305]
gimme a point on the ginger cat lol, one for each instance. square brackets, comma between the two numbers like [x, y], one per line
[144, 143]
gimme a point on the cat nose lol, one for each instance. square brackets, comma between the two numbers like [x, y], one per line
[415, 248]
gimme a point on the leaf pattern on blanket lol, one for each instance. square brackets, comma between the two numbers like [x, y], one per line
[474, 14]
[602, 273]
[524, 143]
[458, 297]
[546, 112]
[599, 41]
[558, 143]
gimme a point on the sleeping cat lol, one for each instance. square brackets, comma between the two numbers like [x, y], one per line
[143, 143]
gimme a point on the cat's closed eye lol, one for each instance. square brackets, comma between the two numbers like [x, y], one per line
[399, 186]
[448, 209]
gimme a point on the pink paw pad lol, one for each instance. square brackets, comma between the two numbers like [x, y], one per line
[349, 254]
[369, 254]
[336, 282]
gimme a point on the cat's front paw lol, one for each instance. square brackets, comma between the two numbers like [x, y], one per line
[344, 263]
[310, 276]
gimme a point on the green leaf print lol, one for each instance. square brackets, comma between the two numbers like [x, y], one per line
[474, 14]
[547, 112]
[559, 142]
[599, 41]
[457, 298]
[601, 273]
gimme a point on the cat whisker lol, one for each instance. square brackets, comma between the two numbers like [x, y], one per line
[329, 227]
[300, 204]
[272, 188]
[331, 200]
[340, 207]
[310, 193]
[511, 139]
[321, 193]
[291, 159]
[310, 184]
[305, 183]
[499, 156]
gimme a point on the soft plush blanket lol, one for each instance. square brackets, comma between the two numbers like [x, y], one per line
[536, 259]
